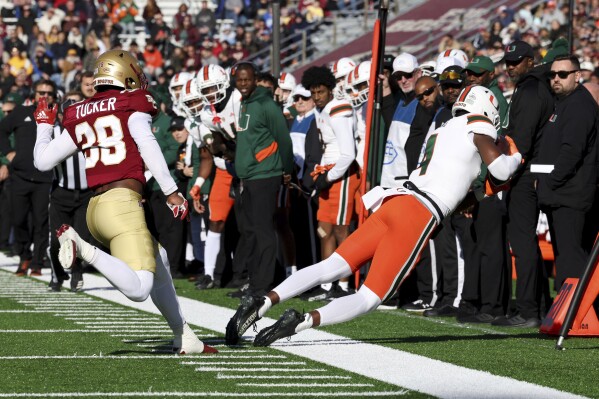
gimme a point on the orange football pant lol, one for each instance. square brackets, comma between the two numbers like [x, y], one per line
[219, 201]
[393, 238]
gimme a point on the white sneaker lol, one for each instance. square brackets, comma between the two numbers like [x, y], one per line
[188, 343]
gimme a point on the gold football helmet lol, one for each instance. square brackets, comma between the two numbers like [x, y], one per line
[119, 68]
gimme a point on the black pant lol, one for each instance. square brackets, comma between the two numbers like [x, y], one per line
[258, 204]
[30, 197]
[5, 212]
[486, 283]
[523, 215]
[70, 207]
[566, 226]
[167, 230]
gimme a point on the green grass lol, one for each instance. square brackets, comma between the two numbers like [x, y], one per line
[520, 353]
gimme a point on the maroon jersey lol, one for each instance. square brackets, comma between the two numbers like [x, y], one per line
[99, 126]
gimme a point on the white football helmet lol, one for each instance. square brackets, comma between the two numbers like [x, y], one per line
[190, 99]
[341, 68]
[287, 81]
[458, 54]
[428, 68]
[176, 85]
[213, 82]
[356, 91]
[286, 85]
[478, 100]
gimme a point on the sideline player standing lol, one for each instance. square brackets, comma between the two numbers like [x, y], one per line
[434, 190]
[113, 128]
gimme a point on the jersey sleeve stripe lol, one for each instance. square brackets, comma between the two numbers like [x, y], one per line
[340, 108]
[478, 118]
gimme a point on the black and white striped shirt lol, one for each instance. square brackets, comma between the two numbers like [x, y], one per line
[70, 173]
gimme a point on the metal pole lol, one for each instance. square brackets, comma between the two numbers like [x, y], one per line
[276, 39]
[334, 29]
[571, 26]
[304, 45]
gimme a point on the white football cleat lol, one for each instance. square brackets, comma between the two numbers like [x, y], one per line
[188, 343]
[72, 246]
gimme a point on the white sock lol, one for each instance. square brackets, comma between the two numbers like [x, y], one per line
[264, 308]
[211, 251]
[290, 270]
[331, 269]
[135, 285]
[164, 296]
[304, 325]
[344, 285]
[349, 307]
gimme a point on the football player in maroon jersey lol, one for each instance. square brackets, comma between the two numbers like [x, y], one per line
[113, 129]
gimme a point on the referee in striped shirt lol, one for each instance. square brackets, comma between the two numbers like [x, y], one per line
[68, 204]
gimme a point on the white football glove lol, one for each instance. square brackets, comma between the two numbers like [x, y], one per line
[179, 211]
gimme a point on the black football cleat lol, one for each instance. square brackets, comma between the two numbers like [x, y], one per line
[244, 317]
[284, 327]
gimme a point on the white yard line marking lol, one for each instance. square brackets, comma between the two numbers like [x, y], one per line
[311, 384]
[261, 369]
[221, 376]
[226, 362]
[444, 380]
[126, 322]
[200, 394]
[96, 357]
[103, 318]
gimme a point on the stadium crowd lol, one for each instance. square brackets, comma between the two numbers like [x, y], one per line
[259, 218]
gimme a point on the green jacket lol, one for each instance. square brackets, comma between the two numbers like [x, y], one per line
[167, 143]
[264, 146]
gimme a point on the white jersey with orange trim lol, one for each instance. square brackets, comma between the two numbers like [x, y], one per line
[360, 134]
[337, 126]
[451, 161]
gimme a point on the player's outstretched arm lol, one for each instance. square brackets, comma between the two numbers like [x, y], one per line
[48, 152]
[501, 166]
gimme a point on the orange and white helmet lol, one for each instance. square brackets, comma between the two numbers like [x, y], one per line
[287, 81]
[190, 99]
[341, 68]
[213, 82]
[478, 100]
[458, 54]
[356, 90]
[176, 85]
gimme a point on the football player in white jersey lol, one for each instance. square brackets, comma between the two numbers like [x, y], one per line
[357, 88]
[283, 97]
[434, 190]
[215, 120]
[174, 88]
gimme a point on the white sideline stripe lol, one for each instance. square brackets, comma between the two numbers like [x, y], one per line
[312, 384]
[132, 341]
[103, 318]
[224, 363]
[127, 323]
[444, 380]
[246, 357]
[198, 394]
[140, 335]
[95, 357]
[277, 369]
[221, 376]
[53, 331]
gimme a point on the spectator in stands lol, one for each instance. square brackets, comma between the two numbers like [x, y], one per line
[529, 110]
[186, 33]
[43, 66]
[75, 37]
[177, 59]
[161, 33]
[149, 12]
[29, 187]
[19, 62]
[205, 19]
[406, 72]
[239, 52]
[124, 15]
[12, 41]
[586, 71]
[505, 15]
[99, 22]
[207, 57]
[194, 57]
[551, 13]
[182, 12]
[72, 17]
[52, 17]
[7, 80]
[153, 60]
[52, 36]
[60, 48]
[111, 33]
[250, 43]
[568, 144]
[448, 43]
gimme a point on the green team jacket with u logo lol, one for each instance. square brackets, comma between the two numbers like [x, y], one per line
[264, 147]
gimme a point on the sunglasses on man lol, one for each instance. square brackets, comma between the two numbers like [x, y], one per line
[400, 75]
[426, 93]
[450, 75]
[561, 74]
[297, 97]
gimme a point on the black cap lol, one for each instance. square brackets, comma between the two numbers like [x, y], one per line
[388, 61]
[177, 123]
[517, 50]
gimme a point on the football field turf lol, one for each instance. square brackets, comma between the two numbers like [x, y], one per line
[99, 344]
